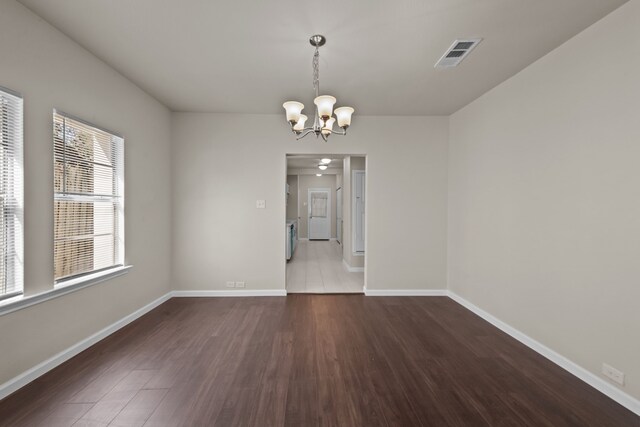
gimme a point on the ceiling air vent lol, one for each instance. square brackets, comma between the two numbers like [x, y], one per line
[456, 53]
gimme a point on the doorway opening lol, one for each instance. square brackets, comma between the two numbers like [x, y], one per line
[325, 223]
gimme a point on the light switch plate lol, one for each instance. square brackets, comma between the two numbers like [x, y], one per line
[261, 204]
[231, 284]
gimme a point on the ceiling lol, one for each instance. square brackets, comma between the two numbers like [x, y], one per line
[312, 161]
[242, 56]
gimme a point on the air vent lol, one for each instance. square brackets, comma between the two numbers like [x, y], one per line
[456, 53]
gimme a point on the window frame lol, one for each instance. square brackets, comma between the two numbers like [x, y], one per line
[94, 276]
[13, 212]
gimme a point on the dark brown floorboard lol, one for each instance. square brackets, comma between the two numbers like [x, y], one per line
[310, 360]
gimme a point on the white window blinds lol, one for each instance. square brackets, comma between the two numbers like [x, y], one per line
[11, 187]
[88, 198]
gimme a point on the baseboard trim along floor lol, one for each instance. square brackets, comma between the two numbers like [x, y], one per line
[44, 367]
[594, 381]
[352, 269]
[406, 292]
[229, 293]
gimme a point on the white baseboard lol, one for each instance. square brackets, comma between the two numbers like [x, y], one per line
[352, 269]
[594, 381]
[42, 368]
[406, 292]
[234, 293]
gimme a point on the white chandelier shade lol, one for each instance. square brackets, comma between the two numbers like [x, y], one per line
[344, 116]
[323, 119]
[325, 105]
[327, 128]
[293, 109]
[300, 125]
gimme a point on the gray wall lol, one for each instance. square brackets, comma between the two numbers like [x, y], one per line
[544, 213]
[219, 235]
[51, 71]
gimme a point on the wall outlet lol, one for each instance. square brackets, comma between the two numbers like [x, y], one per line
[231, 284]
[240, 284]
[261, 204]
[613, 374]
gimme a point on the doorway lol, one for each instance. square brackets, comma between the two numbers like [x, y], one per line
[324, 195]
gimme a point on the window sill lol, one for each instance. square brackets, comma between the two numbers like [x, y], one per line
[17, 303]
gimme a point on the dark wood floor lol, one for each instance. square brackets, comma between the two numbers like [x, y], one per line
[308, 360]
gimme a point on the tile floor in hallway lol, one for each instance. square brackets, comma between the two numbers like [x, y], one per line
[316, 268]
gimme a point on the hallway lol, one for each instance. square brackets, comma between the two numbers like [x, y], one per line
[316, 268]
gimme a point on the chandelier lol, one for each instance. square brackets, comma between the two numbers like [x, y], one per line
[323, 119]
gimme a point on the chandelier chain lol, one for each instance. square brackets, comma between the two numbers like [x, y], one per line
[316, 70]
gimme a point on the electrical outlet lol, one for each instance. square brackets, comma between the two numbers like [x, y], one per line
[261, 204]
[231, 284]
[240, 284]
[613, 374]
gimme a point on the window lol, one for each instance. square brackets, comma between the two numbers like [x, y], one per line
[11, 250]
[88, 198]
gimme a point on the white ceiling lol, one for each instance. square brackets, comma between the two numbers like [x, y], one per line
[250, 56]
[312, 161]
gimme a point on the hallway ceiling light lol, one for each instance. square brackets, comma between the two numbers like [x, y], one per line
[325, 161]
[323, 120]
[322, 167]
[318, 174]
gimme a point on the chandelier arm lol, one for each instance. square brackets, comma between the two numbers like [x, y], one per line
[307, 131]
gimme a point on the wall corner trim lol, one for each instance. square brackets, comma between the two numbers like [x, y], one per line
[42, 368]
[594, 381]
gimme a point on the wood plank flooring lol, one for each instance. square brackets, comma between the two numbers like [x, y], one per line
[310, 360]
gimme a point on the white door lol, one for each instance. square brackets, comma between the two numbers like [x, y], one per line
[319, 207]
[358, 210]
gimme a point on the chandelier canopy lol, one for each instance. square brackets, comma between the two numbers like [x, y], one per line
[323, 120]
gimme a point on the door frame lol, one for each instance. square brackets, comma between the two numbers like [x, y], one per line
[329, 213]
[353, 211]
[283, 209]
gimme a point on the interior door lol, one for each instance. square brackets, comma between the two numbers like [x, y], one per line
[319, 207]
[358, 210]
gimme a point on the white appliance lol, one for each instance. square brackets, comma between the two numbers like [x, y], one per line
[291, 236]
